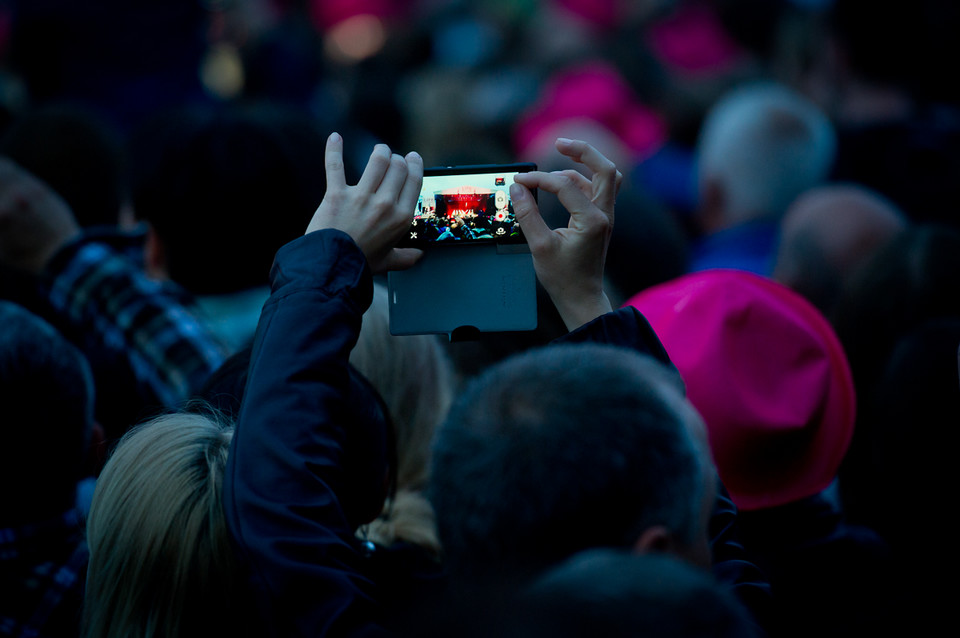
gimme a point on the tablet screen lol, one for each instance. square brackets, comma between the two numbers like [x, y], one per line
[466, 204]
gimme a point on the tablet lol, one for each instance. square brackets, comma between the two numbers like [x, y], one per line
[476, 274]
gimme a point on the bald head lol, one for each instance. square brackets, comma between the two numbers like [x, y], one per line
[827, 233]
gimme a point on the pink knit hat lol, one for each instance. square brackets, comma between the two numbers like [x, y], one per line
[328, 13]
[768, 375]
[596, 92]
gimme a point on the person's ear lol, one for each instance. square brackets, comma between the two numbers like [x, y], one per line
[96, 455]
[660, 540]
[712, 204]
[126, 217]
[656, 539]
[155, 255]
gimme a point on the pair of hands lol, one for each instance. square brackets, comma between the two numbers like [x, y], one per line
[568, 261]
[35, 222]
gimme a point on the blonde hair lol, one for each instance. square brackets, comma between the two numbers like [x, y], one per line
[416, 380]
[160, 557]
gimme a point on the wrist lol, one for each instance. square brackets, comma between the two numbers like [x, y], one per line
[579, 310]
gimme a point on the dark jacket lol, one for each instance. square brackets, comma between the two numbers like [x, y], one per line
[285, 472]
[829, 578]
[285, 482]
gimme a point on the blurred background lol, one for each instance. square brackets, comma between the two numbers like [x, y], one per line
[495, 81]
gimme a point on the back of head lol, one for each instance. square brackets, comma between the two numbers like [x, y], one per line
[907, 284]
[827, 234]
[912, 444]
[767, 373]
[46, 389]
[909, 457]
[908, 281]
[224, 190]
[562, 449]
[161, 563]
[612, 593]
[760, 147]
[76, 152]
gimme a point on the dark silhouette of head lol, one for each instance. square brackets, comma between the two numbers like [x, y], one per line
[827, 234]
[611, 593]
[78, 154]
[565, 448]
[886, 320]
[224, 190]
[46, 388]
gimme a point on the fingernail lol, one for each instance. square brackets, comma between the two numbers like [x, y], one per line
[564, 140]
[334, 137]
[516, 191]
[414, 155]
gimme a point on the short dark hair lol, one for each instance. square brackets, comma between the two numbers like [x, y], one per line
[78, 153]
[224, 189]
[561, 449]
[46, 390]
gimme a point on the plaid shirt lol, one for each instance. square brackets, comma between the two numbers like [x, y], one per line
[42, 572]
[112, 303]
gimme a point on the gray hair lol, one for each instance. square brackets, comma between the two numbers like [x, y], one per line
[764, 144]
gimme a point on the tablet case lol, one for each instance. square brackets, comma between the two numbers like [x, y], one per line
[462, 289]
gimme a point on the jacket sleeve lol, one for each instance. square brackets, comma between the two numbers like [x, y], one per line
[285, 466]
[625, 327]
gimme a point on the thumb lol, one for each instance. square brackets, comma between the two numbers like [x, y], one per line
[528, 215]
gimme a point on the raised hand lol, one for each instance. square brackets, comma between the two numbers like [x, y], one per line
[569, 261]
[378, 210]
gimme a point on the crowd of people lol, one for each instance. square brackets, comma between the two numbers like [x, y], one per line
[736, 415]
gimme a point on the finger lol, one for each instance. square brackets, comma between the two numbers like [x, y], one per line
[578, 179]
[394, 178]
[411, 188]
[604, 171]
[563, 184]
[586, 154]
[528, 214]
[588, 188]
[333, 162]
[376, 168]
[584, 213]
[583, 183]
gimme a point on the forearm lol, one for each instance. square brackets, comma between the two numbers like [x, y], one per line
[285, 472]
